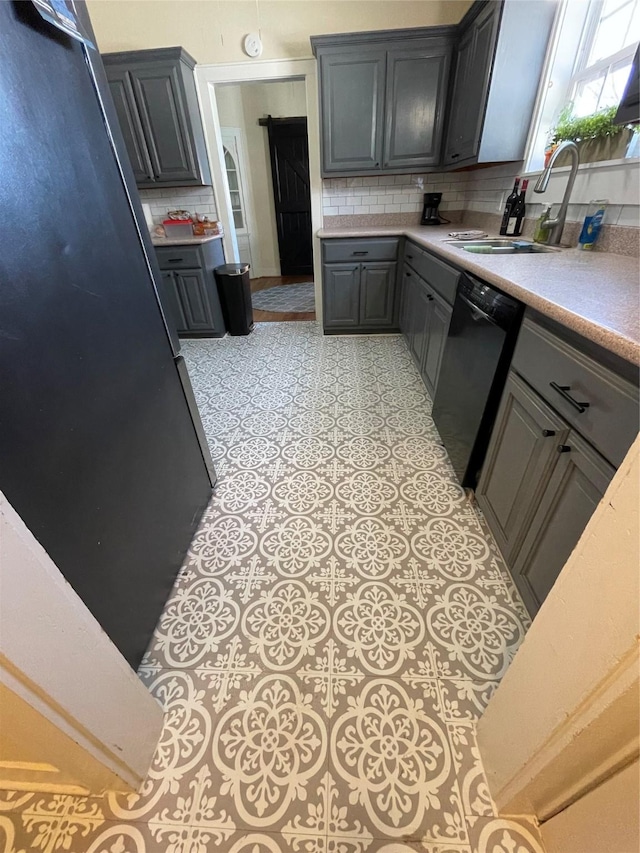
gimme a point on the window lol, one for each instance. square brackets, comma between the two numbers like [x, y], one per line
[610, 38]
[232, 147]
[588, 64]
[234, 188]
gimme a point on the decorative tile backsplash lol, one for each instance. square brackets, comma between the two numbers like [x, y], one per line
[194, 199]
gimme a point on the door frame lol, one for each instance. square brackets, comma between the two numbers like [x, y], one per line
[259, 72]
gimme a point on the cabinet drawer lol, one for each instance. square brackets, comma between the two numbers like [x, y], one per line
[443, 278]
[383, 249]
[562, 374]
[178, 257]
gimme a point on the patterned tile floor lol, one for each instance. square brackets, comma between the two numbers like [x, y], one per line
[340, 622]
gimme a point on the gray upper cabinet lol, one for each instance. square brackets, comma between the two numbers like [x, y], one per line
[416, 96]
[352, 102]
[382, 99]
[155, 98]
[470, 89]
[489, 116]
[130, 124]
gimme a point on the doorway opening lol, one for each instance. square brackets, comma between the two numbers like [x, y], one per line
[264, 139]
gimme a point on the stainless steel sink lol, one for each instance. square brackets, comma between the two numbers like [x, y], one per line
[500, 247]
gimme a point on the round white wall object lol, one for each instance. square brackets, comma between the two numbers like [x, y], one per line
[252, 45]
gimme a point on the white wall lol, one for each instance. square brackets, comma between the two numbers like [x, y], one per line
[68, 698]
[241, 105]
[212, 31]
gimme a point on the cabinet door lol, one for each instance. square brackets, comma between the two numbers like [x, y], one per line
[352, 104]
[192, 290]
[163, 112]
[341, 284]
[127, 112]
[172, 300]
[415, 101]
[521, 456]
[405, 301]
[438, 328]
[471, 86]
[377, 294]
[578, 482]
[422, 309]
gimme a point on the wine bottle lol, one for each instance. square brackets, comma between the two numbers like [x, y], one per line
[511, 200]
[516, 214]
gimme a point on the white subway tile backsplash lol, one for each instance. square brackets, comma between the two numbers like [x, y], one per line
[361, 208]
[629, 215]
[331, 211]
[345, 210]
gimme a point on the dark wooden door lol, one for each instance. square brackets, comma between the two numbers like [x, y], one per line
[289, 148]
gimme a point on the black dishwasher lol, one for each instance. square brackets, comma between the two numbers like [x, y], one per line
[477, 354]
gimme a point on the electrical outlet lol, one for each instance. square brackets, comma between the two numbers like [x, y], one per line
[419, 183]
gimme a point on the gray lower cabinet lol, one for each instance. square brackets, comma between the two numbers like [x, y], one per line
[565, 420]
[156, 102]
[424, 320]
[192, 292]
[189, 290]
[377, 293]
[579, 480]
[359, 284]
[519, 463]
[382, 99]
[341, 303]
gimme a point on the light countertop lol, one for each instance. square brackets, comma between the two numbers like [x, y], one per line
[183, 241]
[594, 293]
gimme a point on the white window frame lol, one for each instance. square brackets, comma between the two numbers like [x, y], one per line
[232, 140]
[573, 34]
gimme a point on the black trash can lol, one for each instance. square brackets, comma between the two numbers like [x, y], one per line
[235, 297]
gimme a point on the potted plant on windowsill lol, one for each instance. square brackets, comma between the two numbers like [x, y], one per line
[597, 137]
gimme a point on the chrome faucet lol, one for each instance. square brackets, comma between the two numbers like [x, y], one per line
[555, 226]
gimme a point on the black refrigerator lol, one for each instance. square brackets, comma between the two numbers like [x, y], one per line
[102, 452]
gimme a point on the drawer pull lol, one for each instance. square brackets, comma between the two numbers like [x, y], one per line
[410, 257]
[563, 448]
[562, 390]
[429, 297]
[547, 433]
[360, 253]
[175, 260]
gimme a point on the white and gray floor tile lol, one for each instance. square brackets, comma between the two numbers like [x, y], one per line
[339, 624]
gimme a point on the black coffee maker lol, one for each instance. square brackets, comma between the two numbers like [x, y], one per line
[430, 209]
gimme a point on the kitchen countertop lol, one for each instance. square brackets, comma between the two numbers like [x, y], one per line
[594, 293]
[183, 241]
